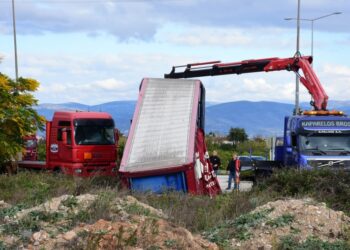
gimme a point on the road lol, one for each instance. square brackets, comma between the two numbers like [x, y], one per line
[223, 180]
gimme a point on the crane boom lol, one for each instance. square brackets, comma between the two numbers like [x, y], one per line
[215, 68]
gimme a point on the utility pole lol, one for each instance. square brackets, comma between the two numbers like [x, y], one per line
[297, 53]
[14, 37]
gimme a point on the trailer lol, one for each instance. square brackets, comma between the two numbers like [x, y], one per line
[165, 150]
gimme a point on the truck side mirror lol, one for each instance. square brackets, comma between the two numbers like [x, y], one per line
[116, 135]
[64, 137]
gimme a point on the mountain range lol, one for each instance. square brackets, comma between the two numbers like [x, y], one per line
[257, 118]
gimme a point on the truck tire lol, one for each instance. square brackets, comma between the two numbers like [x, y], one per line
[57, 170]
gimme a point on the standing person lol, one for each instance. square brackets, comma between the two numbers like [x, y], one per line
[215, 162]
[233, 167]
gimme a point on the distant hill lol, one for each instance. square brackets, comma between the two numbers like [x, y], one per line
[121, 111]
[257, 118]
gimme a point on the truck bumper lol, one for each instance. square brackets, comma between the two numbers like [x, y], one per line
[78, 169]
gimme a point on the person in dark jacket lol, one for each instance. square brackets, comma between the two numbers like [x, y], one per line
[215, 162]
[233, 167]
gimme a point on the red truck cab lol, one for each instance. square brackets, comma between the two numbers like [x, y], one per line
[30, 152]
[79, 143]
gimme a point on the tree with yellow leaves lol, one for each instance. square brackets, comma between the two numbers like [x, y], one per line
[17, 116]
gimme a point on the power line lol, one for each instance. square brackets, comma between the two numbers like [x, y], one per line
[88, 1]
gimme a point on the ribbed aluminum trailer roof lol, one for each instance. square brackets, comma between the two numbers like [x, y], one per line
[162, 134]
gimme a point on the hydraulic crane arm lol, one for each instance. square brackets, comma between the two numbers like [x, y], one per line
[214, 68]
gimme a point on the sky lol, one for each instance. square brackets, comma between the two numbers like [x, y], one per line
[98, 51]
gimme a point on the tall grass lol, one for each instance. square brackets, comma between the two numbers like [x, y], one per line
[197, 213]
[32, 188]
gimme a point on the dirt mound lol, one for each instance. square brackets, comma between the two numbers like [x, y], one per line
[94, 222]
[298, 220]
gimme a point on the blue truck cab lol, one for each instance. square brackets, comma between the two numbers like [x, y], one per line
[311, 142]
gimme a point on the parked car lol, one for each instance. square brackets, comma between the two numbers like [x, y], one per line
[247, 165]
[247, 162]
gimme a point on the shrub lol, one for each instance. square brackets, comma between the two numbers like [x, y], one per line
[325, 185]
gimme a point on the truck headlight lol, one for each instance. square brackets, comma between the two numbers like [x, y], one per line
[78, 171]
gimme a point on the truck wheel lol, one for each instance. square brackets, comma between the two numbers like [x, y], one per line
[57, 170]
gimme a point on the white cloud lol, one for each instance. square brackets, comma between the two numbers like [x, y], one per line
[111, 84]
[340, 70]
[195, 36]
[257, 85]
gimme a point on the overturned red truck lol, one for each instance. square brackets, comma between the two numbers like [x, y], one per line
[79, 143]
[166, 150]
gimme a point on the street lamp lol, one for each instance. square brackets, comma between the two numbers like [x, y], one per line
[14, 37]
[312, 20]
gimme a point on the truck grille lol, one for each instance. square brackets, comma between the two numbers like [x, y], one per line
[344, 164]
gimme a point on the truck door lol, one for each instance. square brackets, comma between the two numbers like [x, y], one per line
[60, 151]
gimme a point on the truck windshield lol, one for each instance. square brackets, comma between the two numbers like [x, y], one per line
[316, 144]
[94, 131]
[30, 144]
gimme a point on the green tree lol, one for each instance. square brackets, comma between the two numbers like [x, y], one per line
[17, 116]
[258, 147]
[237, 135]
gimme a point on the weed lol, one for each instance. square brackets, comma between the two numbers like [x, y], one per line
[93, 241]
[75, 218]
[45, 216]
[132, 239]
[250, 220]
[237, 228]
[289, 242]
[124, 238]
[137, 209]
[281, 221]
[83, 234]
[101, 207]
[2, 245]
[17, 228]
[10, 212]
[170, 243]
[295, 230]
[70, 202]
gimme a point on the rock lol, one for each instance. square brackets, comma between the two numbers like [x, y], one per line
[69, 235]
[268, 246]
[36, 243]
[3, 205]
[26, 234]
[7, 218]
[130, 200]
[40, 236]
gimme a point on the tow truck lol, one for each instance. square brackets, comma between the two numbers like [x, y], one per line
[312, 139]
[79, 143]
